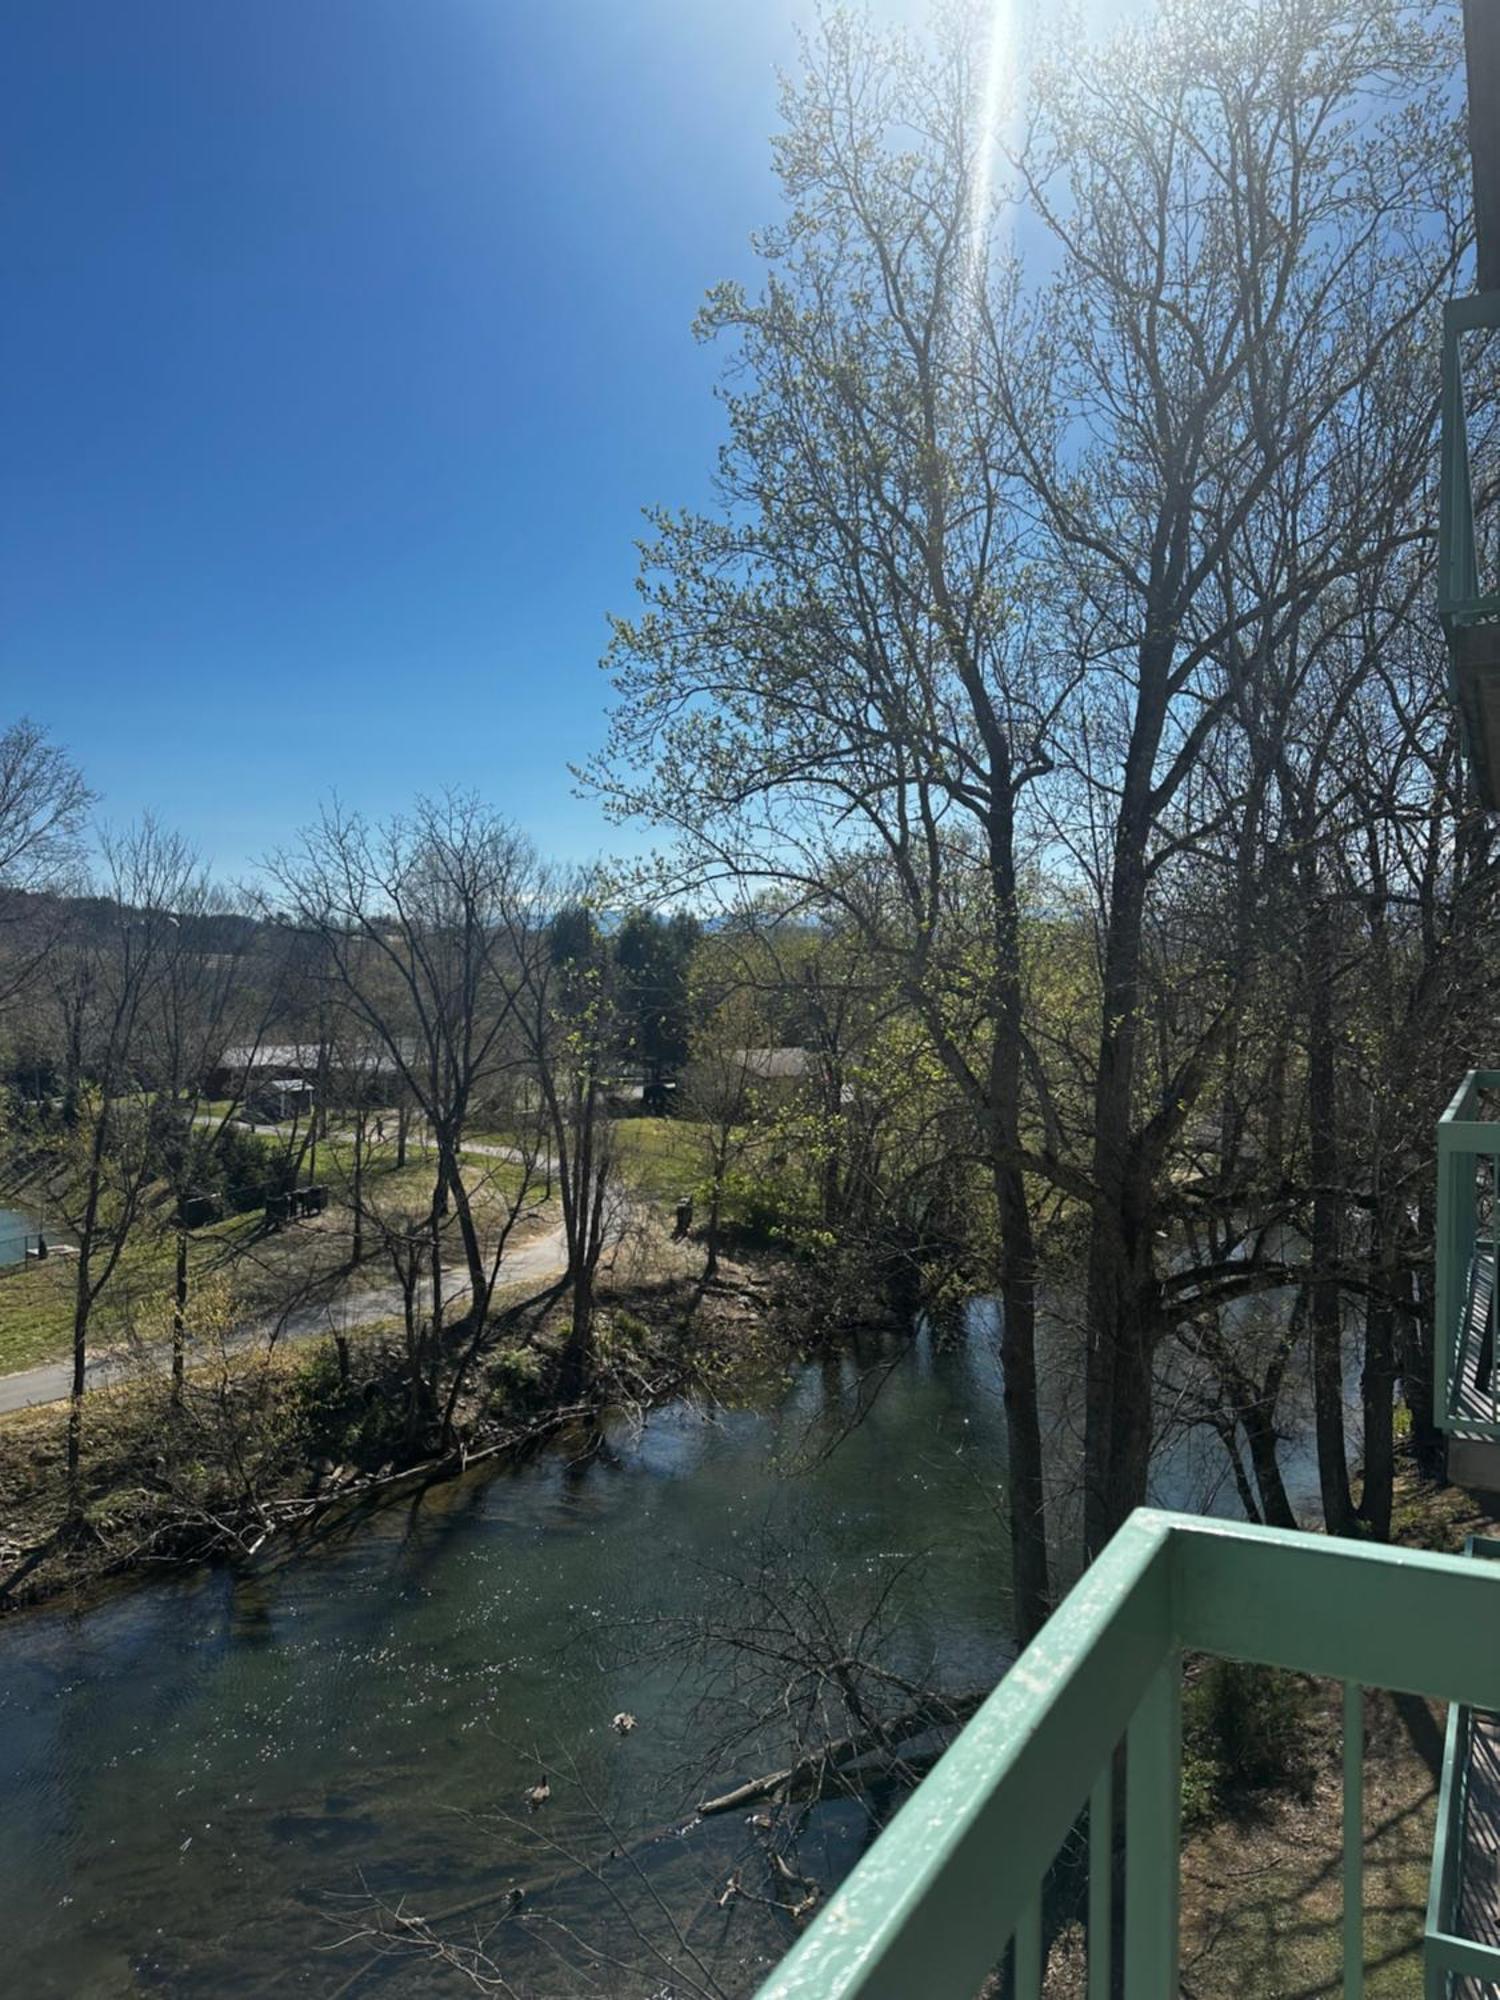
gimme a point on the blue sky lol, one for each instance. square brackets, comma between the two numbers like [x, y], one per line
[343, 342]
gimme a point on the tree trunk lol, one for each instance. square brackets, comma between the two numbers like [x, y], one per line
[1117, 1371]
[1260, 1440]
[1254, 1410]
[179, 1318]
[1225, 1428]
[1418, 1351]
[1023, 1431]
[435, 1229]
[1131, 1432]
[1379, 1383]
[468, 1231]
[1325, 1292]
[577, 1362]
[408, 1265]
[711, 1245]
[357, 1243]
[81, 1303]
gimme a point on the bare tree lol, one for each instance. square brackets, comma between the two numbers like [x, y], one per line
[566, 1004]
[409, 915]
[718, 1093]
[43, 801]
[107, 981]
[1255, 221]
[831, 690]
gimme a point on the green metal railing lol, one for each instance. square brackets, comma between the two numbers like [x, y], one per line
[1460, 599]
[1468, 601]
[956, 1880]
[1468, 1165]
[1449, 1954]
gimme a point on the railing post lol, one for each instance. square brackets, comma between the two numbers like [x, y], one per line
[1455, 1253]
[1101, 1881]
[1354, 1841]
[1458, 570]
[1153, 1812]
[1028, 1980]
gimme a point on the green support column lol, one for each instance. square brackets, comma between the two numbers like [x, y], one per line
[1451, 1274]
[1101, 1881]
[1153, 1812]
[1354, 1841]
[1029, 1950]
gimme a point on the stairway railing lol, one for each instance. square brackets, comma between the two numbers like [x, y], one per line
[1468, 1170]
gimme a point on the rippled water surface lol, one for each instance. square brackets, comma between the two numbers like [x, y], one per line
[205, 1780]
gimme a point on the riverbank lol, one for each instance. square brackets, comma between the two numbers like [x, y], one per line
[267, 1749]
[349, 1722]
[265, 1439]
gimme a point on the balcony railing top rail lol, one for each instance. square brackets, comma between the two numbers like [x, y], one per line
[956, 1880]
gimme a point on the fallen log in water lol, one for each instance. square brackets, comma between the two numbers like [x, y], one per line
[817, 1772]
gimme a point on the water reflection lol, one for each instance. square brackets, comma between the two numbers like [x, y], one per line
[195, 1773]
[203, 1779]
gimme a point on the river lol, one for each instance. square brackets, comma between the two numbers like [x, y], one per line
[16, 1225]
[205, 1779]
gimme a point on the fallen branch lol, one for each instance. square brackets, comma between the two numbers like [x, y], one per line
[814, 1771]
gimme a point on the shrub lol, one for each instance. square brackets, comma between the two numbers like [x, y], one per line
[627, 1330]
[517, 1368]
[1246, 1731]
[251, 1169]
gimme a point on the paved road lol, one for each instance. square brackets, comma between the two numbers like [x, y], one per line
[528, 1263]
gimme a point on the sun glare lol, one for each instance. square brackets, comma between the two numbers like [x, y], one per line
[993, 114]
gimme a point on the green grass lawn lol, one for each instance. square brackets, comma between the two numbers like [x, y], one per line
[35, 1312]
[660, 1158]
[219, 1108]
[36, 1298]
[492, 1135]
[388, 1183]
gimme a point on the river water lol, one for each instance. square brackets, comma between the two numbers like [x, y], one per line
[16, 1224]
[206, 1780]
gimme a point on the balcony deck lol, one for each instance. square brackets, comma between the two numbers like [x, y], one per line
[1464, 1900]
[1476, 1381]
[1479, 1871]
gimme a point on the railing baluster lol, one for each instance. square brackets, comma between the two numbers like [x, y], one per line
[1494, 1257]
[1354, 1841]
[1029, 1950]
[1457, 1248]
[1101, 1881]
[1153, 1812]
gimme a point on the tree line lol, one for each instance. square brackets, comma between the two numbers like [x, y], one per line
[1064, 631]
[1050, 722]
[430, 970]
